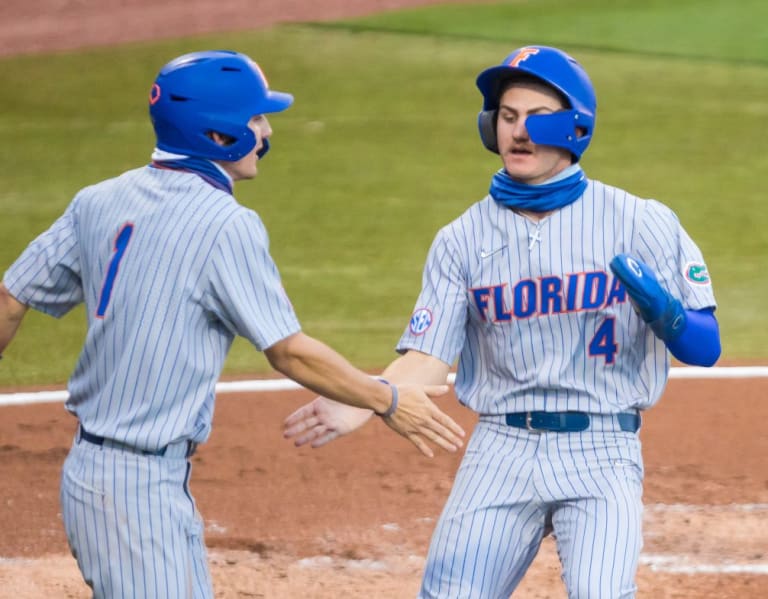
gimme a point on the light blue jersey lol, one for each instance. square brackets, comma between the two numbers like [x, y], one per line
[534, 314]
[171, 268]
[539, 323]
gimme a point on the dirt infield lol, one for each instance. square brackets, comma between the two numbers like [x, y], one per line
[29, 26]
[354, 519]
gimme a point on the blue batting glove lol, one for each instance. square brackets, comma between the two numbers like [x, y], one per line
[663, 313]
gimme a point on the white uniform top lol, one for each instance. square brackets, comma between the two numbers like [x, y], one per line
[170, 269]
[534, 313]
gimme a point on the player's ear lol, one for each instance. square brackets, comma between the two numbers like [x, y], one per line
[220, 138]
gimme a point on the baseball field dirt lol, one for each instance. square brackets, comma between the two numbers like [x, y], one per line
[354, 519]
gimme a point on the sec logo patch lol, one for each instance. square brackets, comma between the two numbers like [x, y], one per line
[421, 320]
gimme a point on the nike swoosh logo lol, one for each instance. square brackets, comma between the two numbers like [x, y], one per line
[489, 253]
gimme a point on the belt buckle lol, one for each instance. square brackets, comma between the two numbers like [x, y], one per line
[528, 426]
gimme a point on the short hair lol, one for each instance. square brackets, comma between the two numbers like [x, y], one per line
[507, 82]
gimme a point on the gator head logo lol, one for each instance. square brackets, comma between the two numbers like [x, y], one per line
[697, 273]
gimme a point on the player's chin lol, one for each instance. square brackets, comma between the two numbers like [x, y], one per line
[519, 166]
[244, 174]
[252, 170]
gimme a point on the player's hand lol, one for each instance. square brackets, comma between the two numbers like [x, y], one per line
[418, 419]
[655, 305]
[323, 420]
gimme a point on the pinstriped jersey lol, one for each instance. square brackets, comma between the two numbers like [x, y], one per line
[534, 314]
[171, 269]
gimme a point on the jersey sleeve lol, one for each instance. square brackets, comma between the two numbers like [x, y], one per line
[666, 247]
[47, 274]
[438, 324]
[244, 289]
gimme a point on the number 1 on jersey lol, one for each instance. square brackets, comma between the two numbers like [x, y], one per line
[121, 243]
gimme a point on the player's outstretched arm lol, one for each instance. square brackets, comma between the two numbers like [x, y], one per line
[322, 420]
[11, 314]
[419, 368]
[406, 408]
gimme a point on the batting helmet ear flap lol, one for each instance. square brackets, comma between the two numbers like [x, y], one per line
[486, 123]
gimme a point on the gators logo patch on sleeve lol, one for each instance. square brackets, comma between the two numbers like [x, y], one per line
[697, 273]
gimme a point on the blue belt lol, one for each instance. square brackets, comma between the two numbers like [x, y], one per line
[568, 422]
[191, 446]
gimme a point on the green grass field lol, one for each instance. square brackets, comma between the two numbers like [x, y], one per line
[380, 149]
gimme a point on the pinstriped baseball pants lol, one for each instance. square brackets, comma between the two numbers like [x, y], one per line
[132, 524]
[514, 487]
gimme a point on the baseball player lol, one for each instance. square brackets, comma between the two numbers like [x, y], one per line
[562, 298]
[171, 268]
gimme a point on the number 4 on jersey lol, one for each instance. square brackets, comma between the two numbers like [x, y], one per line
[604, 342]
[121, 243]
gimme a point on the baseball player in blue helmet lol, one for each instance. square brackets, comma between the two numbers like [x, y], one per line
[562, 299]
[171, 268]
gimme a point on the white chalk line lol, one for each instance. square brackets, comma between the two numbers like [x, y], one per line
[686, 564]
[265, 385]
[671, 564]
[687, 508]
[682, 564]
[663, 563]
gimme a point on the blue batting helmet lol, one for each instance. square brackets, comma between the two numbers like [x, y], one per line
[570, 129]
[202, 92]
